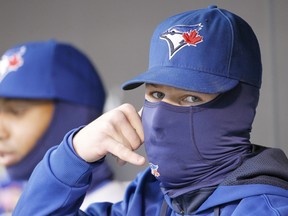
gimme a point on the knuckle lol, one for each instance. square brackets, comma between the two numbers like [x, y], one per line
[107, 126]
[128, 107]
[118, 115]
[135, 142]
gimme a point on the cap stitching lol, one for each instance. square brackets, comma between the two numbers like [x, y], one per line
[232, 41]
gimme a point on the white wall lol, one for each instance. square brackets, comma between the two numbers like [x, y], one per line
[116, 35]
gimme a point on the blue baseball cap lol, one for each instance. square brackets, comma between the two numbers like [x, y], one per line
[50, 70]
[209, 50]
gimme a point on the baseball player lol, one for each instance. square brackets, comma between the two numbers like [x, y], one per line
[46, 89]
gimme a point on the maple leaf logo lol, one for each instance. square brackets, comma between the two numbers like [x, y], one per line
[180, 36]
[15, 61]
[192, 38]
[11, 62]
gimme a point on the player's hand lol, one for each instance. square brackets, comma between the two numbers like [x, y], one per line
[118, 132]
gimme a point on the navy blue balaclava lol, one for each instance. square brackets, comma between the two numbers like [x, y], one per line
[193, 147]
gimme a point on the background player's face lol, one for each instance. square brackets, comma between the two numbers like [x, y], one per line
[22, 123]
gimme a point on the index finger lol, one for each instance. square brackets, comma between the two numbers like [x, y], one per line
[125, 154]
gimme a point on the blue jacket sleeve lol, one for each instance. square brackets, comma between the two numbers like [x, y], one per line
[59, 183]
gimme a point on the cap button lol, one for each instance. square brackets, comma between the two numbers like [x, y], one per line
[212, 6]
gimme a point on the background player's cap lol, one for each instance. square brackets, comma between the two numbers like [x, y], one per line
[208, 50]
[50, 70]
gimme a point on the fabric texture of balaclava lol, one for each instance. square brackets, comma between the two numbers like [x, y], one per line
[193, 147]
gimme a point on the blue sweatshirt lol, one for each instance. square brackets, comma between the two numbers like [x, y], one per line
[60, 181]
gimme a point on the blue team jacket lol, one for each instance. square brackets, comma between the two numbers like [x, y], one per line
[59, 183]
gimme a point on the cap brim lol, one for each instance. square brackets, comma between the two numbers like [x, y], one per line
[184, 79]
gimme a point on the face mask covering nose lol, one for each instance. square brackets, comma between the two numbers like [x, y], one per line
[193, 147]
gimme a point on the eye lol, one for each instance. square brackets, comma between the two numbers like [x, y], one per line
[17, 111]
[192, 99]
[154, 96]
[158, 95]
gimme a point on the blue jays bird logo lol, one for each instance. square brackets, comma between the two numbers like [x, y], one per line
[180, 36]
[154, 169]
[11, 61]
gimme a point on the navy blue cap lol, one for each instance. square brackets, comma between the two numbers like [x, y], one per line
[208, 50]
[50, 70]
